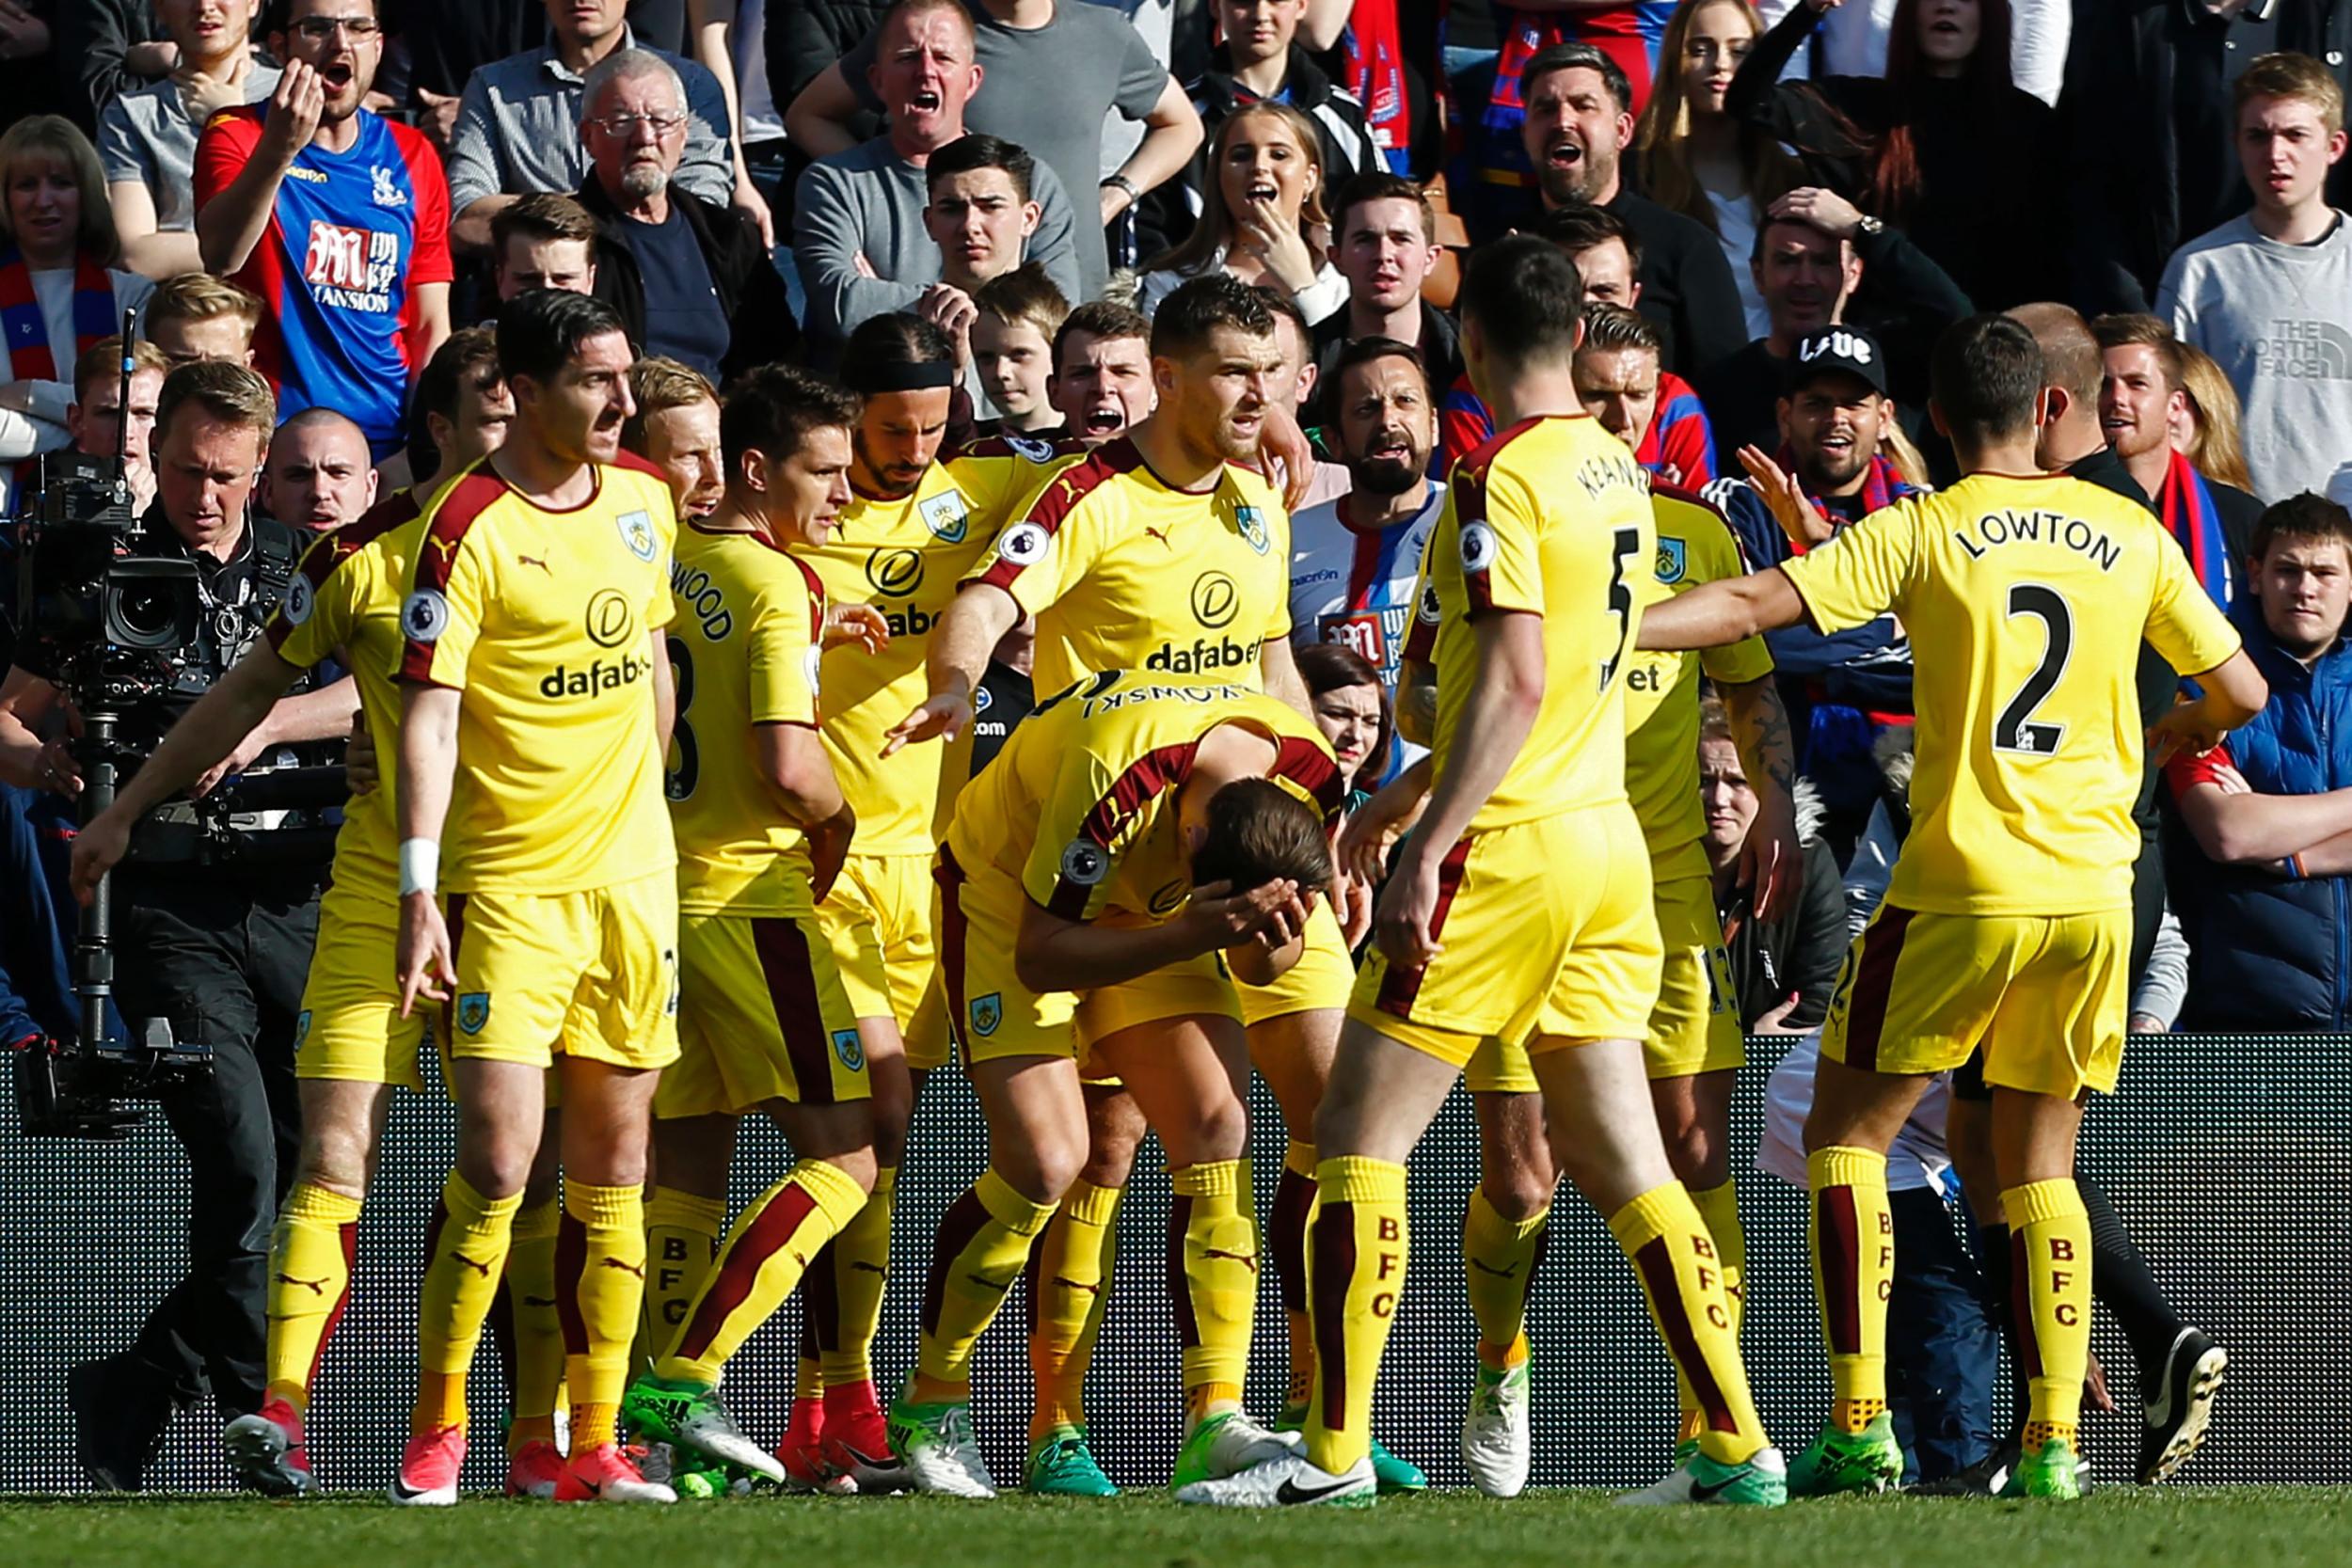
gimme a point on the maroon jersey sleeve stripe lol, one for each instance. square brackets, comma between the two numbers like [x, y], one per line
[1069, 489]
[1156, 770]
[465, 502]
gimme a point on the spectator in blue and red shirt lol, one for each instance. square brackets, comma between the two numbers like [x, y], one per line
[336, 218]
[1679, 446]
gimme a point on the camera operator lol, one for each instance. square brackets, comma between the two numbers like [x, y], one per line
[223, 938]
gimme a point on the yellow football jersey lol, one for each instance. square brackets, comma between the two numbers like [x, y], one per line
[1079, 807]
[998, 470]
[744, 652]
[2026, 600]
[1551, 519]
[1124, 573]
[1661, 690]
[343, 603]
[540, 618]
[905, 557]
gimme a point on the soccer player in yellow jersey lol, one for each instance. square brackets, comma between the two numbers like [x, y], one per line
[1139, 843]
[905, 536]
[351, 1046]
[765, 1023]
[1159, 551]
[1536, 567]
[2027, 596]
[536, 704]
[1694, 1047]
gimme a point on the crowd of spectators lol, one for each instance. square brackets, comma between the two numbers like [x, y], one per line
[1775, 207]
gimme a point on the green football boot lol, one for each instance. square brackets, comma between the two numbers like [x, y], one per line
[2054, 1471]
[1226, 1443]
[1760, 1480]
[1060, 1465]
[690, 1418]
[1866, 1462]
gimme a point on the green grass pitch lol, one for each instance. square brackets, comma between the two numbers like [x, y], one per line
[2256, 1527]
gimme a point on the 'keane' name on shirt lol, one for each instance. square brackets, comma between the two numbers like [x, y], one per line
[2046, 527]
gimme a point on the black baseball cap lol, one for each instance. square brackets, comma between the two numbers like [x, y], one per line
[1837, 351]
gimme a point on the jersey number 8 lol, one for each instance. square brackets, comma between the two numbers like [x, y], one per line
[678, 783]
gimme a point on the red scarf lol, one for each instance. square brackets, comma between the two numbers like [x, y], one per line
[31, 354]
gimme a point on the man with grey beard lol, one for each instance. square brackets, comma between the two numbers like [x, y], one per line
[691, 279]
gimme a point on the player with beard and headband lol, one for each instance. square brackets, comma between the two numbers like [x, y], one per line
[1355, 560]
[1163, 553]
[336, 218]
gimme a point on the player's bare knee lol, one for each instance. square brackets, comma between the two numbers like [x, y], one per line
[1517, 1193]
[1218, 1129]
[858, 1164]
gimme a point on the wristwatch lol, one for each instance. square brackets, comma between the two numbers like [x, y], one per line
[1867, 224]
[1121, 183]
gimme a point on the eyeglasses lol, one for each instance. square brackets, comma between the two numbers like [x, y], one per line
[626, 126]
[318, 29]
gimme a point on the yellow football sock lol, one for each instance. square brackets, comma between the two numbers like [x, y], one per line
[1854, 1274]
[1672, 1253]
[606, 1280]
[1286, 1241]
[1355, 1272]
[465, 1256]
[538, 1325]
[808, 1376]
[309, 1281]
[1070, 1273]
[1719, 1207]
[766, 1255]
[681, 1243]
[981, 1247]
[861, 1268]
[1498, 1261]
[2050, 1253]
[1215, 1296]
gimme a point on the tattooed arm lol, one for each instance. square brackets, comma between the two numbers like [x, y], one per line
[1772, 863]
[1416, 702]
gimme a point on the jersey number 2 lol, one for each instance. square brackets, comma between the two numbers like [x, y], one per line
[2017, 730]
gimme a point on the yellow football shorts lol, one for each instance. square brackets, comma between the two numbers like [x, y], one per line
[1696, 1026]
[1322, 977]
[881, 919]
[1547, 936]
[2044, 995]
[591, 974]
[995, 1015]
[762, 1014]
[350, 1026]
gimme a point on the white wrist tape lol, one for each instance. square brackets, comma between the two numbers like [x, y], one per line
[420, 865]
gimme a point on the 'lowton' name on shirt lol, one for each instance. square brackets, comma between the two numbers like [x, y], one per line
[2045, 527]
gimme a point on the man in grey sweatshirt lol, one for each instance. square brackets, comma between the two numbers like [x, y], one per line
[2269, 295]
[857, 228]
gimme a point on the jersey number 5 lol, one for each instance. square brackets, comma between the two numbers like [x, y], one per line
[1628, 543]
[678, 784]
[2017, 730]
